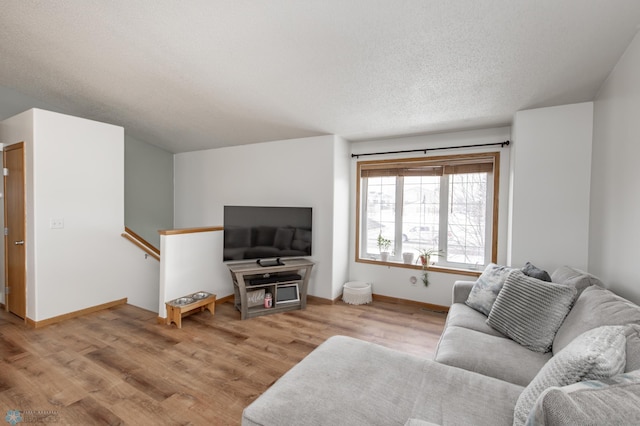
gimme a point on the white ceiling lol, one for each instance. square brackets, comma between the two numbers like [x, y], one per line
[197, 74]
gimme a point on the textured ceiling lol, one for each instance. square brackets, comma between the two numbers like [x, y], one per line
[196, 74]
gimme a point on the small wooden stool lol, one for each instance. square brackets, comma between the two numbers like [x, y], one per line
[187, 305]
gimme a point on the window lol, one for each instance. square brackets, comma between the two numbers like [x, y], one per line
[444, 203]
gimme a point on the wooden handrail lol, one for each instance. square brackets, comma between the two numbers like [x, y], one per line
[141, 243]
[190, 230]
[142, 240]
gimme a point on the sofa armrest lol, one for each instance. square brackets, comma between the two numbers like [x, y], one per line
[461, 290]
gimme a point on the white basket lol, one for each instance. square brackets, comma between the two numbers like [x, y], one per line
[356, 293]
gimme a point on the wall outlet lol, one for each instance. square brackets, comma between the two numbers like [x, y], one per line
[413, 280]
[57, 223]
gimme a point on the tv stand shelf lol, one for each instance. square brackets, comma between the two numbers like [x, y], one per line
[292, 271]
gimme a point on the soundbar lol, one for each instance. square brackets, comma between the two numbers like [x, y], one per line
[274, 278]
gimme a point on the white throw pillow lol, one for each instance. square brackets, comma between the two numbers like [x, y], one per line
[614, 401]
[596, 354]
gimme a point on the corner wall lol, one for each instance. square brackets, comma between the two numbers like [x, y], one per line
[614, 230]
[148, 192]
[550, 187]
[297, 172]
[74, 171]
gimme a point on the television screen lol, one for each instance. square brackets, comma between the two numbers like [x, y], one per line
[252, 232]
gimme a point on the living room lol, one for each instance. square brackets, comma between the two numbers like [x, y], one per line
[567, 167]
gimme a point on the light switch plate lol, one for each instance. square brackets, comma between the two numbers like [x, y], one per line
[57, 223]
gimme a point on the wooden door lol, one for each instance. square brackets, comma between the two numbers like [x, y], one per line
[14, 222]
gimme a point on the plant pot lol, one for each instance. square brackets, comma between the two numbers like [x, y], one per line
[384, 256]
[407, 258]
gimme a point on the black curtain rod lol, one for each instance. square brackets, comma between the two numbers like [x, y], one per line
[425, 150]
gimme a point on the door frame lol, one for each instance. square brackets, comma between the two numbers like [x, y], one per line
[19, 145]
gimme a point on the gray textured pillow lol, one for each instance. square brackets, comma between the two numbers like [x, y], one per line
[530, 311]
[614, 401]
[486, 288]
[533, 271]
[596, 354]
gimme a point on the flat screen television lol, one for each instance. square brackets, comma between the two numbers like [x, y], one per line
[257, 232]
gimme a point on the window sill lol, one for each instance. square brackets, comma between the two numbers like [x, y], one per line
[432, 268]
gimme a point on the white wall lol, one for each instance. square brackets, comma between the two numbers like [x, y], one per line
[19, 128]
[615, 204]
[191, 263]
[75, 172]
[394, 282]
[298, 172]
[341, 216]
[550, 186]
[148, 189]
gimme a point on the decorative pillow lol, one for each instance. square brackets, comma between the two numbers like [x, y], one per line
[486, 288]
[533, 271]
[596, 354]
[530, 311]
[614, 401]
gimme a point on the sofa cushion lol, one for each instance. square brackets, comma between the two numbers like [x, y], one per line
[533, 271]
[595, 354]
[486, 288]
[492, 356]
[575, 277]
[461, 291]
[353, 382]
[595, 307]
[339, 383]
[452, 396]
[530, 311]
[614, 401]
[461, 315]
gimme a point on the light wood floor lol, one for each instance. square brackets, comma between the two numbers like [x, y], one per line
[118, 366]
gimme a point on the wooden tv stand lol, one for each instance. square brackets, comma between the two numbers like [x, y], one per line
[243, 273]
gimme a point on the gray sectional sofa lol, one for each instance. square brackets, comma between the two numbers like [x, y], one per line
[487, 369]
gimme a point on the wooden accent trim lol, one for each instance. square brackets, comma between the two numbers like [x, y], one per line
[496, 196]
[63, 317]
[141, 246]
[19, 145]
[428, 306]
[190, 230]
[142, 240]
[444, 270]
[229, 298]
[322, 300]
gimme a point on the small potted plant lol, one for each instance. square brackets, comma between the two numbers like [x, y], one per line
[383, 246]
[425, 259]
